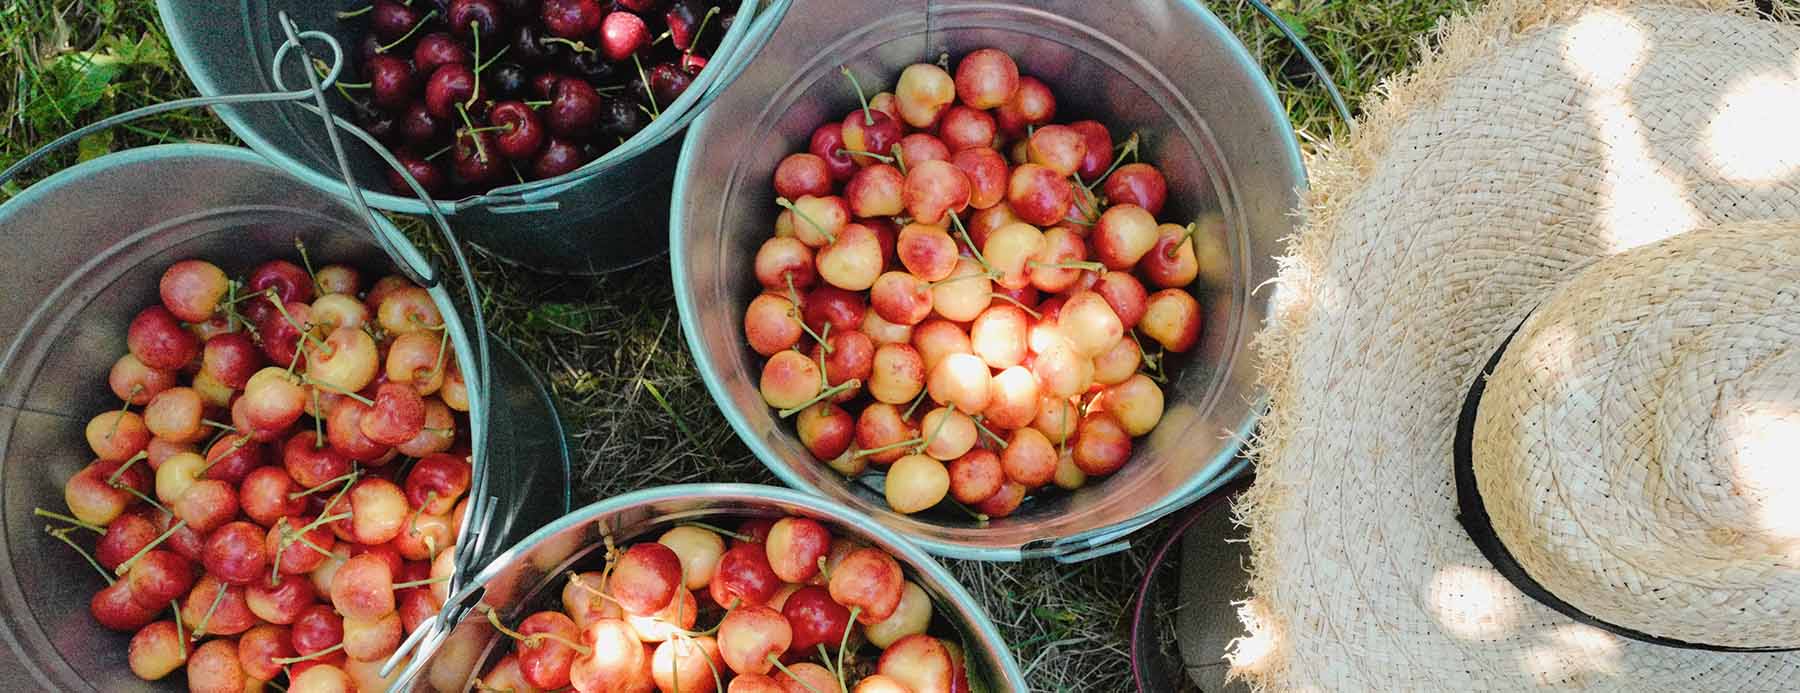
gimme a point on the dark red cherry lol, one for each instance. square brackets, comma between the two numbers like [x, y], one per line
[543, 85]
[476, 163]
[668, 82]
[469, 17]
[622, 118]
[683, 18]
[693, 63]
[641, 6]
[430, 177]
[529, 48]
[574, 109]
[593, 67]
[526, 134]
[389, 20]
[391, 82]
[450, 85]
[571, 19]
[559, 156]
[436, 50]
[419, 126]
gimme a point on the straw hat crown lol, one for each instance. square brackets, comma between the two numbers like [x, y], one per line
[1605, 193]
[1638, 445]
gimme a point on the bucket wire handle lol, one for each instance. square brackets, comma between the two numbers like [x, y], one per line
[480, 500]
[1312, 61]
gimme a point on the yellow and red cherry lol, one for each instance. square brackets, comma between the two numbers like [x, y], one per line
[877, 190]
[986, 79]
[1125, 294]
[1032, 104]
[1172, 318]
[1038, 195]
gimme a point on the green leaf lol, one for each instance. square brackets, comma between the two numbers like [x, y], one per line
[94, 146]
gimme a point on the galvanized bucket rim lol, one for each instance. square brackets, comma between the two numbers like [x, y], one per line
[1221, 470]
[685, 109]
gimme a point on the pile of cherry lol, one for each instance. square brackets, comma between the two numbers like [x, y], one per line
[1025, 322]
[281, 489]
[476, 94]
[791, 610]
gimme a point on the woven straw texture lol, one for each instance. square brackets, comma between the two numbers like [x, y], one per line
[1537, 137]
[1636, 445]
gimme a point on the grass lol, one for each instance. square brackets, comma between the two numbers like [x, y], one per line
[611, 347]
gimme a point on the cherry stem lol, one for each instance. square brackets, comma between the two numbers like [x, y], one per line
[422, 583]
[1186, 235]
[306, 259]
[1128, 147]
[889, 446]
[822, 396]
[844, 642]
[655, 111]
[963, 277]
[297, 495]
[1088, 265]
[310, 657]
[990, 434]
[148, 500]
[469, 127]
[318, 421]
[981, 518]
[123, 567]
[509, 127]
[180, 637]
[305, 335]
[772, 659]
[720, 530]
[964, 232]
[409, 32]
[350, 14]
[491, 59]
[590, 589]
[704, 19]
[910, 408]
[339, 390]
[788, 205]
[533, 639]
[40, 512]
[218, 598]
[858, 152]
[113, 479]
[576, 46]
[235, 446]
[440, 152]
[794, 298]
[475, 28]
[899, 157]
[942, 421]
[537, 104]
[62, 535]
[120, 416]
[228, 428]
[868, 118]
[1028, 309]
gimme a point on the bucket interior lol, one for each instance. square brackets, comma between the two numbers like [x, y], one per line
[531, 577]
[100, 237]
[1206, 117]
[230, 49]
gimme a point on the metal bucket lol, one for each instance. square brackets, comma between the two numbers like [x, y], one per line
[606, 215]
[1209, 119]
[525, 578]
[89, 245]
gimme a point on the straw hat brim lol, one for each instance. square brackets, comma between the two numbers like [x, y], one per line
[1536, 137]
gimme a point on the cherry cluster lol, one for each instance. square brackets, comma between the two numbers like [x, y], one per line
[790, 608]
[476, 94]
[280, 491]
[1037, 326]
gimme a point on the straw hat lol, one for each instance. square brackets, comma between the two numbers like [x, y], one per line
[1566, 247]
